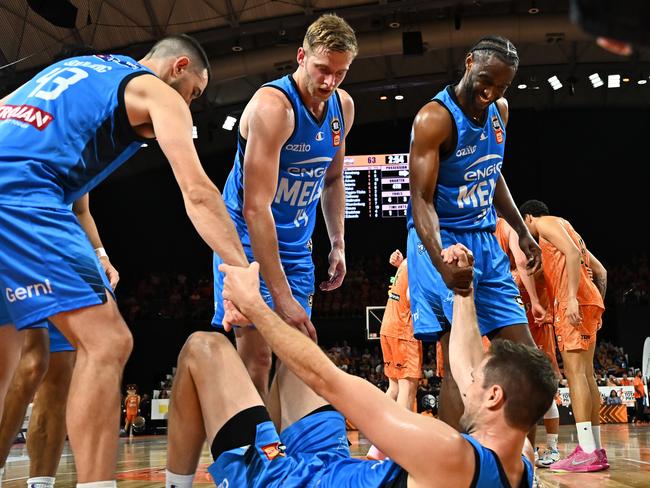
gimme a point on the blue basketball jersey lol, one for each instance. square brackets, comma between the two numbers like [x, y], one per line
[489, 472]
[467, 177]
[66, 130]
[304, 159]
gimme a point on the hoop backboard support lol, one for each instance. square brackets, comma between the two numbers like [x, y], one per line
[374, 316]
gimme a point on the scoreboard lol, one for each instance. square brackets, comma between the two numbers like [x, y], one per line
[376, 186]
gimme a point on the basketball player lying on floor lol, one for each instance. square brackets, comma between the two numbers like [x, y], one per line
[505, 391]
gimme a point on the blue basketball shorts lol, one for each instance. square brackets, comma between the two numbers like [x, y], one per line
[312, 452]
[299, 273]
[47, 265]
[498, 302]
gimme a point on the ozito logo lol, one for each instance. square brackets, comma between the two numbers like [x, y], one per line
[34, 116]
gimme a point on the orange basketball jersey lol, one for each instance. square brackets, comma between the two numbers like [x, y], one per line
[555, 272]
[131, 403]
[397, 316]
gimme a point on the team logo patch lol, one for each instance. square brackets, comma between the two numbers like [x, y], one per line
[498, 131]
[421, 248]
[336, 132]
[519, 301]
[320, 136]
[271, 451]
[34, 116]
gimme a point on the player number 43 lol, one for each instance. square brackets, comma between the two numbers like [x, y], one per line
[61, 78]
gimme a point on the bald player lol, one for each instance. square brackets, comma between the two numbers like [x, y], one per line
[578, 309]
[539, 312]
[505, 392]
[61, 134]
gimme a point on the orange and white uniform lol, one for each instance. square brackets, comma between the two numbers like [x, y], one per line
[570, 337]
[543, 333]
[131, 404]
[402, 352]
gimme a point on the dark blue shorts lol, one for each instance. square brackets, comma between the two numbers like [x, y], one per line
[313, 452]
[47, 265]
[498, 303]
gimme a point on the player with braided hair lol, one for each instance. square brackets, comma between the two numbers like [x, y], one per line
[455, 161]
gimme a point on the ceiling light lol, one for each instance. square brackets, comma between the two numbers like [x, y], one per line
[613, 81]
[399, 97]
[522, 86]
[555, 82]
[229, 123]
[383, 97]
[596, 80]
[626, 80]
[642, 81]
[533, 8]
[394, 24]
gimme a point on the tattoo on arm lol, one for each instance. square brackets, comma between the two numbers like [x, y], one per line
[601, 284]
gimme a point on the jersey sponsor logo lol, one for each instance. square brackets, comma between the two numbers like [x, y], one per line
[274, 450]
[24, 292]
[336, 132]
[466, 151]
[301, 147]
[498, 131]
[310, 172]
[483, 173]
[483, 181]
[34, 116]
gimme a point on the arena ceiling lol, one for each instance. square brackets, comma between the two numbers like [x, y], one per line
[252, 41]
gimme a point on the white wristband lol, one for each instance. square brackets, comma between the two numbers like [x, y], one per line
[101, 252]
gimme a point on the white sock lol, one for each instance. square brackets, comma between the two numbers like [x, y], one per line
[98, 484]
[551, 441]
[2, 472]
[41, 482]
[173, 480]
[586, 436]
[596, 430]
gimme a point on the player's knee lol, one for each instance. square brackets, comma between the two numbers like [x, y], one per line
[32, 369]
[203, 345]
[116, 346]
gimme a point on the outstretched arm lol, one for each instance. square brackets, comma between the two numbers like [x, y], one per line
[465, 345]
[402, 435]
[431, 128]
[149, 101]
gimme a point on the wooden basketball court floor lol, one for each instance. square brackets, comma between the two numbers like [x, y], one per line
[142, 461]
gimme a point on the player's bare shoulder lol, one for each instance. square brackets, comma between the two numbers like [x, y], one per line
[270, 105]
[432, 124]
[144, 92]
[502, 106]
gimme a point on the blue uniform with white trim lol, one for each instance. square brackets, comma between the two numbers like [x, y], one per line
[314, 452]
[61, 134]
[304, 160]
[467, 179]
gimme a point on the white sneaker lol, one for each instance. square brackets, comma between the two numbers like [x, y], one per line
[548, 457]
